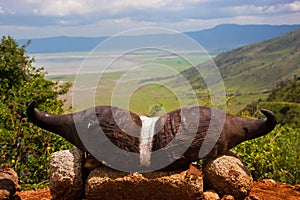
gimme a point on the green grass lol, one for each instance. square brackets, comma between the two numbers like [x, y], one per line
[126, 89]
[149, 95]
[146, 95]
[237, 103]
[180, 64]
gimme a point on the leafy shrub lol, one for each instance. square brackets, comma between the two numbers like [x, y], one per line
[23, 146]
[287, 113]
[287, 92]
[284, 102]
[275, 155]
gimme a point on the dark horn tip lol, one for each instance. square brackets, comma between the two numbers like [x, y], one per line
[270, 116]
[32, 104]
[30, 108]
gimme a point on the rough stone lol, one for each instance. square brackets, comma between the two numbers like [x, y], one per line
[227, 174]
[227, 197]
[104, 183]
[66, 174]
[210, 195]
[8, 183]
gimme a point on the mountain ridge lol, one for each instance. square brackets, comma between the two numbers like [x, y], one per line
[264, 63]
[251, 65]
[218, 39]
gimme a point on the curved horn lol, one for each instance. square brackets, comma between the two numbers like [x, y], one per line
[268, 124]
[271, 119]
[61, 124]
[262, 126]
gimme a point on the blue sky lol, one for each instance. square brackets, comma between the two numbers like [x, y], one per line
[46, 18]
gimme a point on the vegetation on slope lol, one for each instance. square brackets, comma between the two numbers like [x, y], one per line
[23, 146]
[257, 66]
[275, 155]
[283, 101]
[262, 65]
[287, 92]
[253, 71]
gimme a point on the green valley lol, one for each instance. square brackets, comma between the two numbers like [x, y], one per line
[250, 74]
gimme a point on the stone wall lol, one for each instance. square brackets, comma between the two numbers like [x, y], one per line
[75, 177]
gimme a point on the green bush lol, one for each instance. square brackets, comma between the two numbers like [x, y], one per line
[23, 146]
[275, 155]
[287, 113]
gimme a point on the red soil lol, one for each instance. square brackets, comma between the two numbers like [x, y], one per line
[262, 190]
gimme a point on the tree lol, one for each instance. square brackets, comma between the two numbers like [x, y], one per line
[23, 146]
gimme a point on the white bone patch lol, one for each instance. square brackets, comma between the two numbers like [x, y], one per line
[148, 125]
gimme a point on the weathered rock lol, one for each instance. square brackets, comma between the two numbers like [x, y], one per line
[228, 175]
[8, 183]
[104, 183]
[66, 175]
[210, 195]
[227, 197]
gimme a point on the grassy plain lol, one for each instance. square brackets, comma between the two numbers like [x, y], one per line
[127, 88]
[147, 84]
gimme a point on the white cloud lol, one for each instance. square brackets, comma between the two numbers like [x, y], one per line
[106, 17]
[62, 8]
[252, 9]
[91, 11]
[245, 10]
[295, 6]
[139, 3]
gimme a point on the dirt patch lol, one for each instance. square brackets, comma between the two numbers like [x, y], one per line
[271, 190]
[262, 190]
[42, 194]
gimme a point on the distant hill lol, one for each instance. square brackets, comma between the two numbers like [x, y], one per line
[218, 39]
[229, 36]
[256, 67]
[62, 44]
[261, 65]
